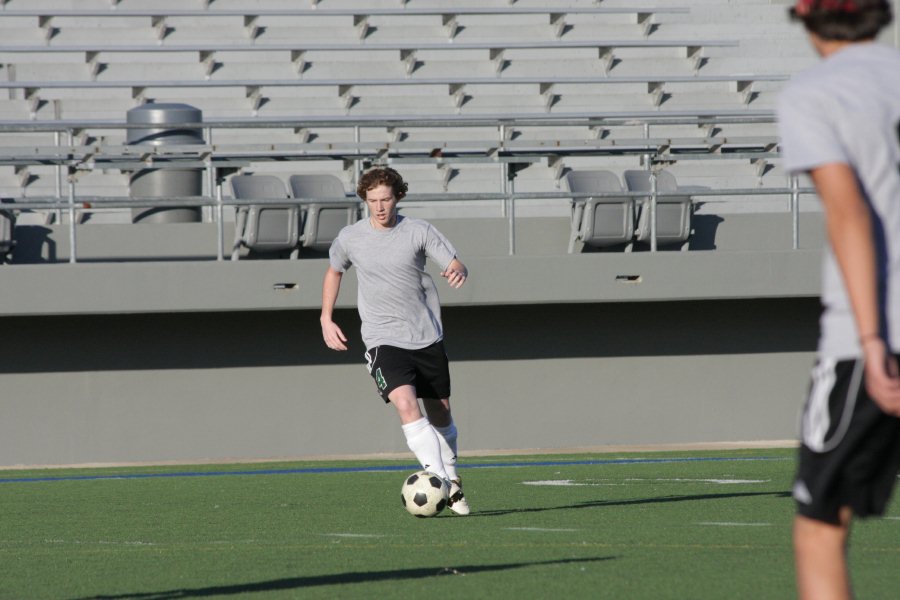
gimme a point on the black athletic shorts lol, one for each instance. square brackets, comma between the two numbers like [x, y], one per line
[850, 452]
[427, 370]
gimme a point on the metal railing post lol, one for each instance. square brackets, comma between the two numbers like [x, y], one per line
[357, 162]
[509, 191]
[57, 140]
[795, 211]
[71, 178]
[504, 187]
[512, 218]
[210, 171]
[220, 221]
[653, 199]
[504, 170]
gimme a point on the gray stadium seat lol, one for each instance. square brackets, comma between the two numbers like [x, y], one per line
[7, 225]
[673, 213]
[600, 221]
[331, 211]
[264, 227]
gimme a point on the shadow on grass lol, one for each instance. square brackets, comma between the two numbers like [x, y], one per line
[292, 583]
[605, 503]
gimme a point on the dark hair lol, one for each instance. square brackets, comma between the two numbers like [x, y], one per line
[844, 20]
[382, 176]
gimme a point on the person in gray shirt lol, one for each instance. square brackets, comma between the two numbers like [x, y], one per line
[401, 318]
[840, 123]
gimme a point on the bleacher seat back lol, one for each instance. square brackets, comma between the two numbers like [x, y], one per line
[266, 227]
[7, 228]
[673, 213]
[600, 221]
[331, 211]
[317, 186]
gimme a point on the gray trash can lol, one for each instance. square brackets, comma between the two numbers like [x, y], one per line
[165, 183]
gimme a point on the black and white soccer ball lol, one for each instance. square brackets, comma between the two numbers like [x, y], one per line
[424, 494]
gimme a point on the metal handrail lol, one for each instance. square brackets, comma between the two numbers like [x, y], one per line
[351, 82]
[220, 159]
[75, 204]
[412, 11]
[587, 119]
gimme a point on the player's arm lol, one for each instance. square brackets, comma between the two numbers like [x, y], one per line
[456, 273]
[331, 333]
[849, 225]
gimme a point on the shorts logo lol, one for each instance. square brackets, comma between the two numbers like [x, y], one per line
[379, 380]
[801, 492]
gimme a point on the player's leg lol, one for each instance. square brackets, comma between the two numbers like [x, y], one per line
[394, 373]
[847, 467]
[438, 411]
[433, 385]
[406, 403]
[820, 555]
[420, 435]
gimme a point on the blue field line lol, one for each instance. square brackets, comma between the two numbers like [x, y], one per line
[381, 468]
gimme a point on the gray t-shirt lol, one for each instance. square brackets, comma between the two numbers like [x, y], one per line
[397, 300]
[846, 109]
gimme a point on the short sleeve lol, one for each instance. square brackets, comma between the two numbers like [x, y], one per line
[809, 138]
[338, 257]
[438, 248]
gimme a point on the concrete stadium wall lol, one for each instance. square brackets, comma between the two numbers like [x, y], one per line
[255, 385]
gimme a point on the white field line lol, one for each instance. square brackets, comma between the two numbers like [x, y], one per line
[566, 483]
[719, 481]
[601, 482]
[540, 529]
[733, 524]
[354, 535]
[99, 543]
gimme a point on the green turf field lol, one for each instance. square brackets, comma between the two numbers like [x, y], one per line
[668, 525]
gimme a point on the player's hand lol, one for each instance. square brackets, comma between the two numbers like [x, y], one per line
[882, 376]
[333, 336]
[455, 274]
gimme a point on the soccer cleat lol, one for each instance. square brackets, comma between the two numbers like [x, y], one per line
[457, 502]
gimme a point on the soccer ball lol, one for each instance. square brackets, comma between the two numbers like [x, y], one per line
[424, 494]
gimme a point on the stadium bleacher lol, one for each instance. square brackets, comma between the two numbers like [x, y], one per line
[706, 64]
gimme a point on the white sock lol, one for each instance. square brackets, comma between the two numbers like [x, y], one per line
[424, 443]
[447, 439]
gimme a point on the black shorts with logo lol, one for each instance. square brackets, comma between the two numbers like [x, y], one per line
[850, 455]
[426, 369]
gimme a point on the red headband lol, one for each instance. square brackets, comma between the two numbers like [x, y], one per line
[804, 7]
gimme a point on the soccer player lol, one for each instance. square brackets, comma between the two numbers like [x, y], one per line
[840, 122]
[401, 318]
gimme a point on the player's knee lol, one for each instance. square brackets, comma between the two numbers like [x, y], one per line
[813, 535]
